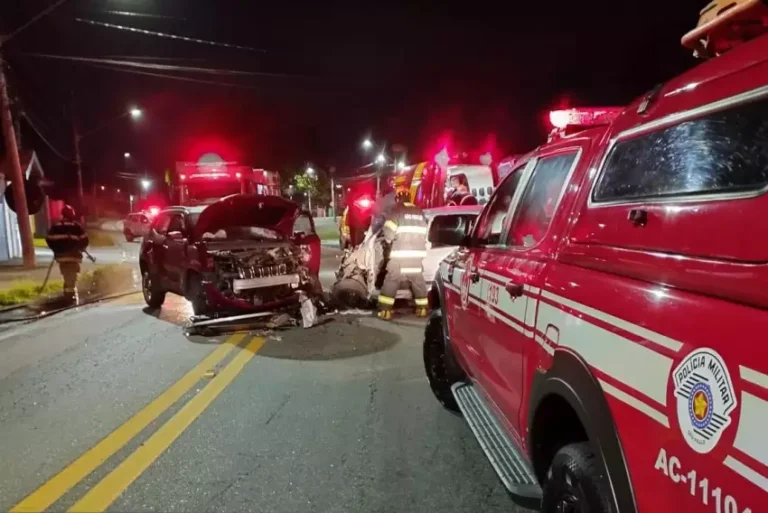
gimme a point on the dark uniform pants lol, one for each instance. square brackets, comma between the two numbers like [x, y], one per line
[69, 267]
[403, 274]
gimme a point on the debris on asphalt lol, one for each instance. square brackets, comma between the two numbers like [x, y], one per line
[308, 311]
[209, 374]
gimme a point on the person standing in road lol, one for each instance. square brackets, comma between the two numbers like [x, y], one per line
[67, 239]
[405, 232]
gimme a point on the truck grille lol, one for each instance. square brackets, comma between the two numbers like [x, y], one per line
[266, 271]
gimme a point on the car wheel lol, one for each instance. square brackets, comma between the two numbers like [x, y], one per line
[129, 237]
[196, 295]
[153, 295]
[575, 482]
[439, 364]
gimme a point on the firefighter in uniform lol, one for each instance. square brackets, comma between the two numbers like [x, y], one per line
[405, 232]
[67, 239]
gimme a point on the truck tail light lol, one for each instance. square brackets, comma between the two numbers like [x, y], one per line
[364, 203]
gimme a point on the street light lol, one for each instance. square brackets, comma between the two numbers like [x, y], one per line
[136, 113]
[127, 155]
[401, 165]
[381, 158]
[102, 187]
[367, 144]
[310, 170]
[146, 184]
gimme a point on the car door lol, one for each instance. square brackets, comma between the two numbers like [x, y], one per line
[153, 246]
[511, 278]
[175, 249]
[468, 316]
[305, 236]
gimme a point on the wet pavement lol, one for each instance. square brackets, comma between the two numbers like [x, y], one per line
[112, 407]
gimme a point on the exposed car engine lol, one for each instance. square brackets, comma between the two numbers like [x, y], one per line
[260, 275]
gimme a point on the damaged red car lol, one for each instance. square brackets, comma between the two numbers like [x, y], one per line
[243, 253]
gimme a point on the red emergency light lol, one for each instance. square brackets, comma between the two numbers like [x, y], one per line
[584, 117]
[153, 211]
[364, 203]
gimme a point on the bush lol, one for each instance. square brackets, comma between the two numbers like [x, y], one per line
[25, 291]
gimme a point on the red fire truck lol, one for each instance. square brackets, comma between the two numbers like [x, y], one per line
[204, 182]
[601, 329]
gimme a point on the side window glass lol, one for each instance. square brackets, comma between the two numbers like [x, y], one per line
[539, 201]
[161, 223]
[723, 152]
[303, 225]
[490, 225]
[176, 224]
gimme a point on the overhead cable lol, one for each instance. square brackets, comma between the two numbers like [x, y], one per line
[32, 125]
[169, 36]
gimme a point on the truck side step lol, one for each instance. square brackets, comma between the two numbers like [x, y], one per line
[507, 459]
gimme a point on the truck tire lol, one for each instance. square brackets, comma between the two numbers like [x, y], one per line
[439, 364]
[575, 482]
[153, 295]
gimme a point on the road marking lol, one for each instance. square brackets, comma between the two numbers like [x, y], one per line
[61, 483]
[101, 496]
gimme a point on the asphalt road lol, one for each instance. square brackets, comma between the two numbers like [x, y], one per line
[113, 407]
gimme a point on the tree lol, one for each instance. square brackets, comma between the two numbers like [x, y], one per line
[316, 186]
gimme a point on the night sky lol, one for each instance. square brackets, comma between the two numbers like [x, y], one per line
[407, 74]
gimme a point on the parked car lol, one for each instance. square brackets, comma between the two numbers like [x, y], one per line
[601, 329]
[361, 274]
[136, 225]
[243, 253]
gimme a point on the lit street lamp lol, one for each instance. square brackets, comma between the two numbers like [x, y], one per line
[401, 165]
[381, 158]
[367, 144]
[136, 113]
[102, 187]
[127, 155]
[310, 171]
[146, 184]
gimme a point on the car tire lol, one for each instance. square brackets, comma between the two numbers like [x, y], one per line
[575, 481]
[440, 366]
[153, 295]
[196, 295]
[129, 237]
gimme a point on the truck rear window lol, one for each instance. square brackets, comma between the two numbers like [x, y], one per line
[723, 152]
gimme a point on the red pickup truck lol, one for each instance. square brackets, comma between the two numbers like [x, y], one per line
[601, 329]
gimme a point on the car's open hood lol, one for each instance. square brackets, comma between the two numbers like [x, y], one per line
[270, 212]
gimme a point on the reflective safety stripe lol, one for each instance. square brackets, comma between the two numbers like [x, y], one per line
[391, 225]
[386, 300]
[411, 270]
[412, 229]
[408, 253]
[421, 301]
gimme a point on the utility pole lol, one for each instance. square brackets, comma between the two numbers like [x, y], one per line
[332, 172]
[17, 176]
[78, 160]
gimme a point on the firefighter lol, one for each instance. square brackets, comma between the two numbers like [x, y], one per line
[67, 239]
[405, 232]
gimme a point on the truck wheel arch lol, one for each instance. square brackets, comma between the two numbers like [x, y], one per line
[570, 383]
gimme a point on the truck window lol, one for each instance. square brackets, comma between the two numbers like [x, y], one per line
[540, 199]
[161, 223]
[449, 230]
[490, 225]
[723, 152]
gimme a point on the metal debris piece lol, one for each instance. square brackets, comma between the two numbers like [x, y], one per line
[209, 374]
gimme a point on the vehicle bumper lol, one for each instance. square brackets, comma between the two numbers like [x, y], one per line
[220, 303]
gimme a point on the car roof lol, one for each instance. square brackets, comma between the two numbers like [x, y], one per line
[182, 209]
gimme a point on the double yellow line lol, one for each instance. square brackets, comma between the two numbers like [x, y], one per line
[110, 487]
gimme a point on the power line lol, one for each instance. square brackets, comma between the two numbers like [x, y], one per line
[32, 125]
[169, 36]
[144, 15]
[173, 77]
[167, 67]
[30, 22]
